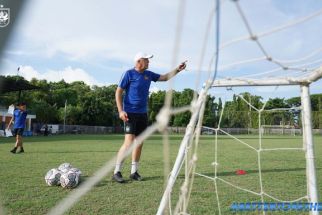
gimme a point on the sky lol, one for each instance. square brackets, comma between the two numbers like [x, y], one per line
[95, 41]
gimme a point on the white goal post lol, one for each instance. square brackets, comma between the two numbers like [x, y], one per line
[304, 83]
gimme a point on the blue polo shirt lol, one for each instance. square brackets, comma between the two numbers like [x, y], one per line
[19, 118]
[136, 86]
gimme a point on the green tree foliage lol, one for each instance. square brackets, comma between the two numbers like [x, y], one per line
[316, 105]
[156, 102]
[276, 117]
[96, 105]
[239, 114]
[211, 107]
[99, 106]
[183, 99]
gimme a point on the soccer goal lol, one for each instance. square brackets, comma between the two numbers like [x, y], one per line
[279, 130]
[288, 120]
[191, 139]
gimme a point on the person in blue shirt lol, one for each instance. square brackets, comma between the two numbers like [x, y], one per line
[132, 108]
[19, 120]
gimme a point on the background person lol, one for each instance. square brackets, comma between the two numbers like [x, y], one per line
[19, 121]
[46, 130]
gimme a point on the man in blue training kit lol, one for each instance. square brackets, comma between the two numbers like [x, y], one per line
[19, 119]
[133, 108]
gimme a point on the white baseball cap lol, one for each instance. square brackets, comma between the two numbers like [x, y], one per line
[140, 55]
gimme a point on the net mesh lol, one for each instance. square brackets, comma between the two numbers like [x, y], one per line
[258, 149]
[188, 152]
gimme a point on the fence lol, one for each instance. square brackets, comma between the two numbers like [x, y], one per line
[84, 129]
[79, 129]
[264, 131]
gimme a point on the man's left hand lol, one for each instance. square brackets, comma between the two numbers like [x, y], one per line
[182, 66]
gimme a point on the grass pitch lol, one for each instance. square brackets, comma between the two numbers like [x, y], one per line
[24, 191]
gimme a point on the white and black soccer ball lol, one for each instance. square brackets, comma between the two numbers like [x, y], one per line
[53, 177]
[69, 179]
[65, 167]
[76, 170]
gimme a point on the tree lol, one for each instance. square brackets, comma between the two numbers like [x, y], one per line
[99, 106]
[156, 102]
[73, 114]
[184, 99]
[45, 112]
[96, 106]
[211, 107]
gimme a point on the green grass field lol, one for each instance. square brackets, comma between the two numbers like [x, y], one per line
[23, 189]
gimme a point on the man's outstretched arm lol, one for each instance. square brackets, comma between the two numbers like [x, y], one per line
[172, 73]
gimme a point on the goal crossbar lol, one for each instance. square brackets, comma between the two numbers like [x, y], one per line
[304, 80]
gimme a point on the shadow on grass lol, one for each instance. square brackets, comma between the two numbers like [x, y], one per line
[80, 137]
[256, 171]
[263, 138]
[108, 180]
[66, 137]
[151, 178]
[66, 152]
[83, 178]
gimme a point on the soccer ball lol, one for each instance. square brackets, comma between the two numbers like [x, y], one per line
[65, 167]
[69, 179]
[53, 177]
[75, 170]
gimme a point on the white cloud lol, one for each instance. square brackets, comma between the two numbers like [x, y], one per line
[106, 34]
[154, 89]
[83, 31]
[114, 30]
[68, 74]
